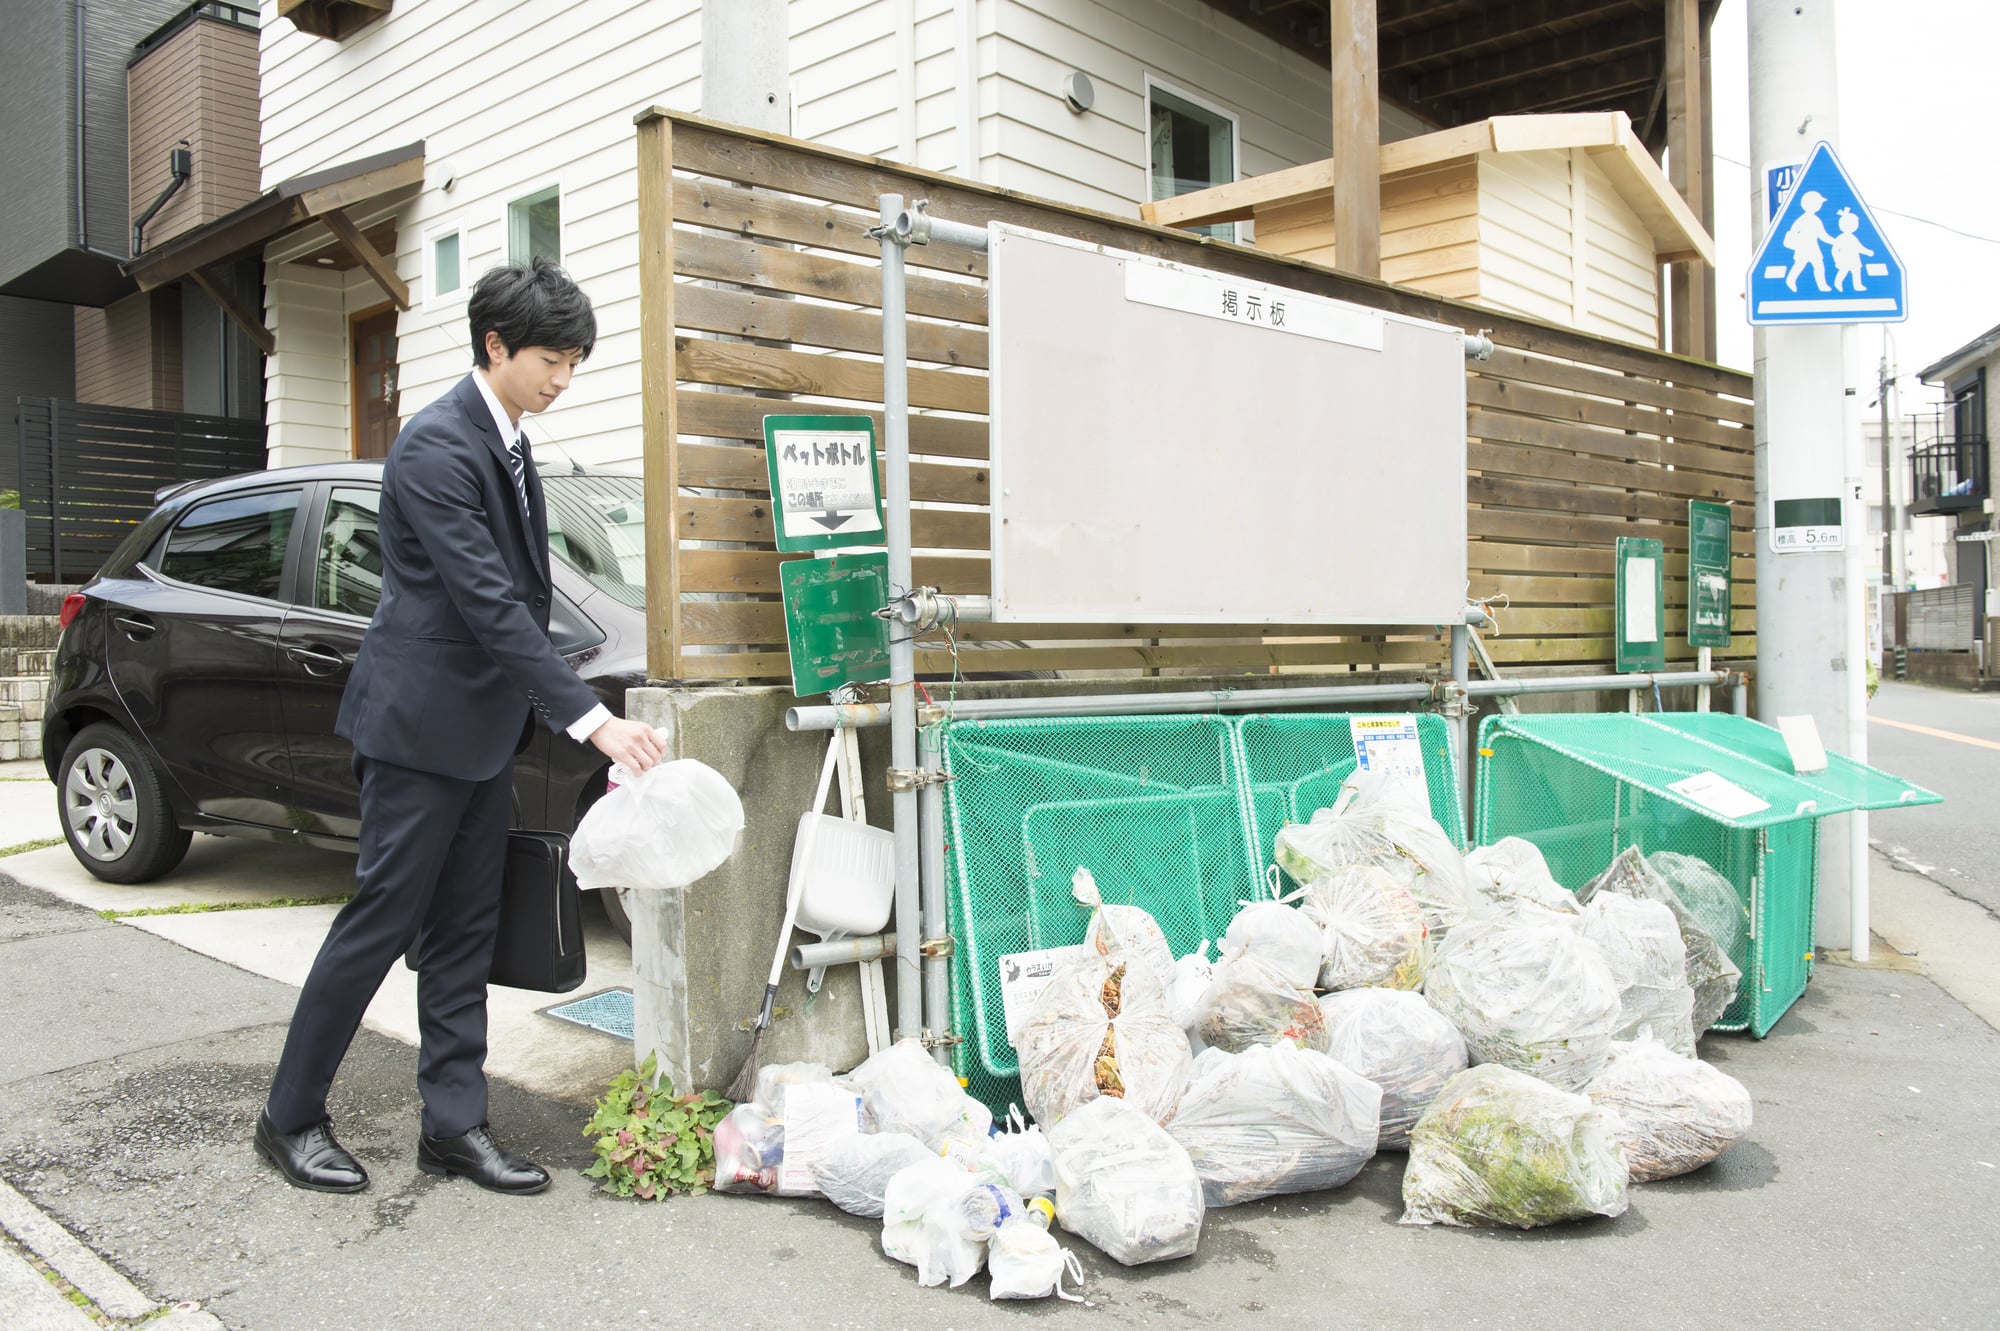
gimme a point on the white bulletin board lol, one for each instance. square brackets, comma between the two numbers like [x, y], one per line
[1174, 445]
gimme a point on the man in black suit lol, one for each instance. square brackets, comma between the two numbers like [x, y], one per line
[452, 674]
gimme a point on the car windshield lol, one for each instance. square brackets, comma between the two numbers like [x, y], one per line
[597, 525]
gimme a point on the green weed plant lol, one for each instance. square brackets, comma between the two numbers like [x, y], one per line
[650, 1142]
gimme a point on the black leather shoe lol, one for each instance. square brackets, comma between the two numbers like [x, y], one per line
[475, 1155]
[310, 1158]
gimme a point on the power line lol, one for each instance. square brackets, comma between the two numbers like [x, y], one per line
[1908, 217]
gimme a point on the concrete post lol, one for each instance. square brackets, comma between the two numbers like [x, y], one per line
[1803, 658]
[746, 63]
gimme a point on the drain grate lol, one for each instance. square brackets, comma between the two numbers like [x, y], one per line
[609, 1012]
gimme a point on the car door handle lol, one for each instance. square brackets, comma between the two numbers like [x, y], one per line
[318, 660]
[137, 627]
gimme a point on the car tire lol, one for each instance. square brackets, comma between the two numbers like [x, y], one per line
[114, 809]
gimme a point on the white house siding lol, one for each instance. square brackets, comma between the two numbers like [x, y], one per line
[1524, 238]
[1621, 270]
[512, 95]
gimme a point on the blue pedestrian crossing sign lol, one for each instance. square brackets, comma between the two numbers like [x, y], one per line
[1824, 260]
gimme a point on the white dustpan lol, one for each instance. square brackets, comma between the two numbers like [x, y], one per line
[846, 879]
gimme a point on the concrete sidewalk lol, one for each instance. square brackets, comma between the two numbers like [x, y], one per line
[1865, 1195]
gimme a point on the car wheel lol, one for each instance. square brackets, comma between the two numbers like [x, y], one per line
[115, 814]
[614, 905]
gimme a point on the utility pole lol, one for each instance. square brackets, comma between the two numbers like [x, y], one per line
[746, 63]
[1895, 558]
[1807, 661]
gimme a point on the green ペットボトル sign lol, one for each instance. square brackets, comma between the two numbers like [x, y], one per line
[825, 491]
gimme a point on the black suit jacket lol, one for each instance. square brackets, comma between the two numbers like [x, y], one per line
[457, 660]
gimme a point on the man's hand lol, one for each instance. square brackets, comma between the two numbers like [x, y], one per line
[629, 742]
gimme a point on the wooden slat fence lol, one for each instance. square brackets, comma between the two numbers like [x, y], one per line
[1572, 440]
[87, 474]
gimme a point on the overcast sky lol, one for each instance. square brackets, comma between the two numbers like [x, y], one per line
[1918, 98]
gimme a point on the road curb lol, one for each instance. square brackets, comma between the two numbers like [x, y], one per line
[101, 1284]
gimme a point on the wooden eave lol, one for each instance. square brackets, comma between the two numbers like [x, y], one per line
[1606, 135]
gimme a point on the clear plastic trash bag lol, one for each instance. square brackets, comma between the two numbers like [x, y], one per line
[1278, 934]
[1275, 1119]
[921, 1222]
[1372, 932]
[1674, 1114]
[1123, 929]
[660, 830]
[1026, 1262]
[1498, 1147]
[1102, 1027]
[772, 1078]
[1530, 994]
[1641, 944]
[1514, 868]
[1250, 1003]
[1710, 972]
[1124, 1185]
[855, 1174]
[1018, 1157]
[1397, 1040]
[904, 1089]
[1711, 898]
[1375, 808]
[1192, 975]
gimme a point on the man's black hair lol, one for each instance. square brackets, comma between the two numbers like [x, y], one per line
[532, 306]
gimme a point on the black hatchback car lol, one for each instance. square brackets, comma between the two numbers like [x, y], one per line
[199, 673]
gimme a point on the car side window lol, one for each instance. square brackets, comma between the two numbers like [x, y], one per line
[347, 575]
[569, 628]
[236, 544]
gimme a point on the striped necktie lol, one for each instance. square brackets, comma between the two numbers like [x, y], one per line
[517, 464]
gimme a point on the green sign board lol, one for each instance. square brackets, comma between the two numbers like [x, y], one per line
[1641, 628]
[1709, 592]
[825, 491]
[830, 623]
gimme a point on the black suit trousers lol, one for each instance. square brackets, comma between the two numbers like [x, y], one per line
[433, 851]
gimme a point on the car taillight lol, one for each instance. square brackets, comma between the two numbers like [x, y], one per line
[72, 606]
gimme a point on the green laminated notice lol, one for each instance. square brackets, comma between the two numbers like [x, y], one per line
[1641, 627]
[1709, 590]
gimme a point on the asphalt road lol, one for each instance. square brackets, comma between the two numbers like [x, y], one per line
[1956, 843]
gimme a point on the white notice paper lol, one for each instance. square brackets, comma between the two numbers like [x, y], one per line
[1802, 740]
[1388, 744]
[1023, 976]
[818, 1116]
[1642, 616]
[1718, 794]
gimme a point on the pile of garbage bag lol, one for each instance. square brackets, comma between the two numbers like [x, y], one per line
[1534, 1065]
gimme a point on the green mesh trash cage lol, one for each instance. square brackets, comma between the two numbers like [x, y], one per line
[1175, 814]
[1720, 788]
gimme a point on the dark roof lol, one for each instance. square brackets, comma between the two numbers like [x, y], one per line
[1986, 341]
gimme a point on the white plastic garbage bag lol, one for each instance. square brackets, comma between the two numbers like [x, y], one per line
[749, 1149]
[760, 1149]
[855, 1174]
[1398, 807]
[1498, 1147]
[1372, 932]
[1712, 899]
[773, 1078]
[1278, 934]
[1101, 1027]
[1712, 975]
[904, 1089]
[1192, 975]
[1026, 1262]
[1530, 995]
[1128, 930]
[1275, 1119]
[1123, 1184]
[660, 830]
[1397, 1040]
[1641, 943]
[940, 1251]
[1250, 1003]
[1674, 1114]
[1514, 867]
[1018, 1157]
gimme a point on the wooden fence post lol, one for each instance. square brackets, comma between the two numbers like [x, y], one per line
[658, 381]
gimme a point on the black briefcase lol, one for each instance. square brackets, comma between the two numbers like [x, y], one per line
[541, 917]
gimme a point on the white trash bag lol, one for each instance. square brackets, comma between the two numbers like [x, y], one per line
[1124, 1185]
[660, 830]
[1101, 1027]
[1532, 995]
[1710, 972]
[1514, 868]
[1018, 1157]
[1372, 932]
[1498, 1147]
[1126, 930]
[1193, 974]
[1641, 943]
[855, 1174]
[1026, 1262]
[1375, 808]
[904, 1089]
[1675, 1114]
[1278, 934]
[1397, 1040]
[921, 1224]
[1251, 1003]
[1275, 1119]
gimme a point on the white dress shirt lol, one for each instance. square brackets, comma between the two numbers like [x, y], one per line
[586, 725]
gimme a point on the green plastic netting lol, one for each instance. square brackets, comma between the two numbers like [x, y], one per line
[1175, 814]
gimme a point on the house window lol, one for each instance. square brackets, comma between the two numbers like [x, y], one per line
[1190, 147]
[445, 274]
[534, 227]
